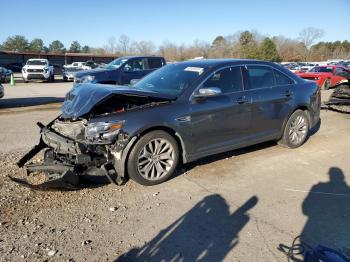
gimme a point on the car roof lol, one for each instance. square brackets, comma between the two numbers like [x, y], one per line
[222, 61]
[141, 56]
[40, 59]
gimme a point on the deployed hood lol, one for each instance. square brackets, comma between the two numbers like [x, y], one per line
[83, 97]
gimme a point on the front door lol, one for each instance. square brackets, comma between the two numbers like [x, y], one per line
[220, 122]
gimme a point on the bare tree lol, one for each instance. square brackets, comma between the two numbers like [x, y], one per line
[145, 47]
[124, 44]
[111, 46]
[289, 49]
[309, 35]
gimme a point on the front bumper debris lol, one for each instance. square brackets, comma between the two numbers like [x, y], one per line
[70, 164]
[339, 100]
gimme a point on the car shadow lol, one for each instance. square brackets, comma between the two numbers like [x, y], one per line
[28, 101]
[217, 157]
[207, 232]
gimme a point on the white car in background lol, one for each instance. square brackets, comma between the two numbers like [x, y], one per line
[38, 69]
[75, 65]
[88, 65]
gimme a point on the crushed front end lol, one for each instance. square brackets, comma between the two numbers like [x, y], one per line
[76, 148]
[89, 138]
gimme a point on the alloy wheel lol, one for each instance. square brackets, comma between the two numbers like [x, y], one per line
[298, 130]
[156, 159]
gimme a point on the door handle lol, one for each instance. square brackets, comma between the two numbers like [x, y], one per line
[288, 93]
[242, 100]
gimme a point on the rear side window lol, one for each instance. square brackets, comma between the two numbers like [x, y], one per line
[228, 80]
[154, 63]
[282, 79]
[260, 77]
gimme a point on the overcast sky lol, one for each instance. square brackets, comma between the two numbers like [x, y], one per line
[180, 21]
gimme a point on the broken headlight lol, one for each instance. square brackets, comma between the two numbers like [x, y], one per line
[103, 130]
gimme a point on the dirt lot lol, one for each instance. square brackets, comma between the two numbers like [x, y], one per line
[237, 206]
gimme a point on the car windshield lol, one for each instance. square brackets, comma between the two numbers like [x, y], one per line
[117, 63]
[322, 69]
[36, 62]
[171, 79]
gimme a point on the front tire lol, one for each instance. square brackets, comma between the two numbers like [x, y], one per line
[296, 130]
[153, 159]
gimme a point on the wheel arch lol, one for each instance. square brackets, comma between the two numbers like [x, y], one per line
[178, 138]
[299, 107]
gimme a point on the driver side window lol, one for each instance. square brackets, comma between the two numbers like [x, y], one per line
[228, 80]
[134, 65]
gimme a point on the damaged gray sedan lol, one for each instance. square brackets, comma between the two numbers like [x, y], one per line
[179, 113]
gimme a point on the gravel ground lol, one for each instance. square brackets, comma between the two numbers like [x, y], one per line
[237, 206]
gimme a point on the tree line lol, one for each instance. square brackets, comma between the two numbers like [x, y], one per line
[242, 44]
[20, 44]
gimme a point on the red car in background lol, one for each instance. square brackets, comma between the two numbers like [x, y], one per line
[327, 76]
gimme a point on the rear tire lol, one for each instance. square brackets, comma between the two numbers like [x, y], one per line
[296, 130]
[153, 159]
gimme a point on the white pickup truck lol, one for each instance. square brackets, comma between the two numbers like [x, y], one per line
[38, 69]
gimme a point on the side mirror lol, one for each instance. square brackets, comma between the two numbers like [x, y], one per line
[208, 92]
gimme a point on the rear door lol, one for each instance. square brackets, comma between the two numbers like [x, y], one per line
[272, 92]
[218, 123]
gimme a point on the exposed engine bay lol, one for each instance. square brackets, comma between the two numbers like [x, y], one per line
[85, 145]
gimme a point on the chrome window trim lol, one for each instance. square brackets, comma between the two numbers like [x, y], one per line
[213, 73]
[294, 82]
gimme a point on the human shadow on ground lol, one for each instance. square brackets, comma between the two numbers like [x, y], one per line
[327, 207]
[207, 232]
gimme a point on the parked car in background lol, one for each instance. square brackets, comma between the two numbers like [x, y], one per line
[327, 76]
[38, 69]
[69, 73]
[122, 70]
[178, 113]
[15, 67]
[57, 69]
[5, 74]
[75, 64]
[89, 65]
[2, 91]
